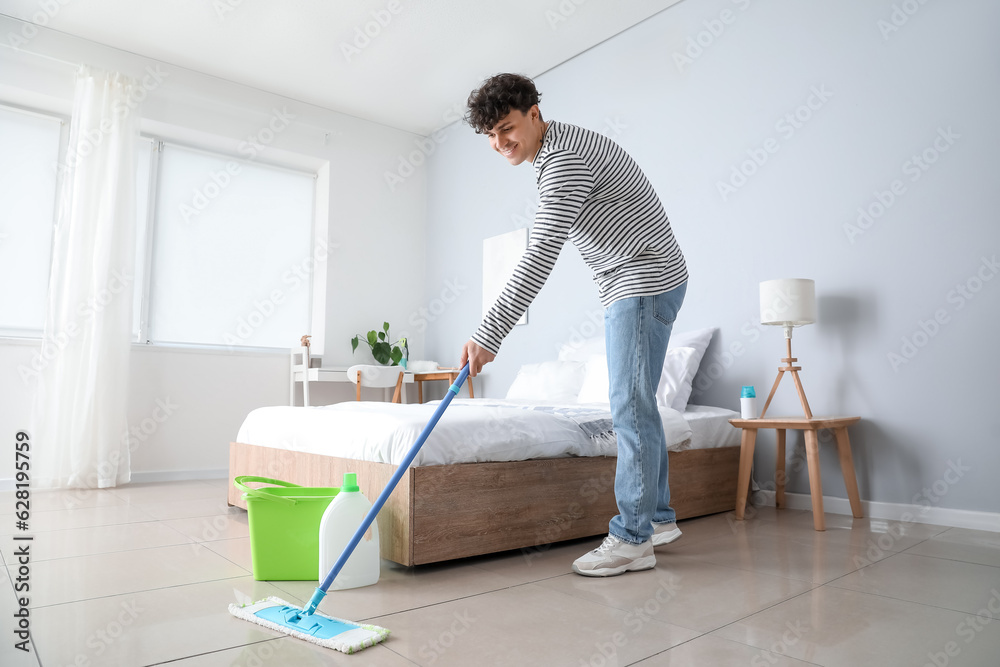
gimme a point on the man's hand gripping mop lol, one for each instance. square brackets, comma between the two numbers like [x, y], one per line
[307, 623]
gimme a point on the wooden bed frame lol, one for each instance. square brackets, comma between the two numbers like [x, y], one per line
[439, 513]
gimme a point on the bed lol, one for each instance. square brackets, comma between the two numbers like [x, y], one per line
[495, 475]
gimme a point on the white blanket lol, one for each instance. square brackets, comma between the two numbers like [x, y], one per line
[471, 430]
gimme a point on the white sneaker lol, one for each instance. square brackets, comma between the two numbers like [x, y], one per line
[615, 557]
[665, 533]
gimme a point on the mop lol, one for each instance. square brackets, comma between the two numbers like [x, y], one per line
[328, 631]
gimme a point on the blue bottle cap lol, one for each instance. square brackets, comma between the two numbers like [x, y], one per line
[748, 392]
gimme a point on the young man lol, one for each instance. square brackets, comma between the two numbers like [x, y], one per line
[594, 194]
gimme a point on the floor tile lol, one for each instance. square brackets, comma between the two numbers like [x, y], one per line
[951, 584]
[685, 592]
[235, 551]
[148, 627]
[835, 627]
[162, 492]
[780, 556]
[221, 484]
[227, 526]
[526, 625]
[183, 508]
[536, 563]
[718, 525]
[62, 499]
[400, 589]
[85, 577]
[971, 546]
[719, 652]
[142, 574]
[287, 652]
[98, 539]
[875, 536]
[84, 517]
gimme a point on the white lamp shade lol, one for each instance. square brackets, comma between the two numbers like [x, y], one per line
[789, 302]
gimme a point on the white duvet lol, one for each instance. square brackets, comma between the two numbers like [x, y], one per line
[471, 430]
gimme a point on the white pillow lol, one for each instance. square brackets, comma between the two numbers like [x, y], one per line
[698, 340]
[549, 382]
[595, 387]
[674, 386]
[679, 368]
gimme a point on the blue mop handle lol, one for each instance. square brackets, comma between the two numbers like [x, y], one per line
[320, 592]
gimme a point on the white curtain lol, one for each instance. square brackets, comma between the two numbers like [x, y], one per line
[80, 432]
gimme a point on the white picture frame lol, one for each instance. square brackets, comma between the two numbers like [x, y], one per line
[500, 255]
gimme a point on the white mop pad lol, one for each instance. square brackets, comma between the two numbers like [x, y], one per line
[351, 640]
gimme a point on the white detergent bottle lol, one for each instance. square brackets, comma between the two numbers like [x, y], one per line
[340, 521]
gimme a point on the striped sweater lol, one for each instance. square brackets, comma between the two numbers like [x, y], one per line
[593, 193]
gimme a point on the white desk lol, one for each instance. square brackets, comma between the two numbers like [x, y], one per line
[318, 373]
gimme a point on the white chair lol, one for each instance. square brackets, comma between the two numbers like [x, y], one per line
[377, 376]
[301, 361]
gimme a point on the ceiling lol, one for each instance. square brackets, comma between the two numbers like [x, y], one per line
[402, 63]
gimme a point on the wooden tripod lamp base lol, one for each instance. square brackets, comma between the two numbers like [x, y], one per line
[789, 303]
[794, 371]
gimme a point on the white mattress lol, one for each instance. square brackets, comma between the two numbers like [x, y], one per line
[472, 430]
[710, 427]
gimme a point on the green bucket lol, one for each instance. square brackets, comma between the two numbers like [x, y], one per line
[284, 528]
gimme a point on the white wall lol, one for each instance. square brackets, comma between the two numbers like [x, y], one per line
[885, 97]
[375, 271]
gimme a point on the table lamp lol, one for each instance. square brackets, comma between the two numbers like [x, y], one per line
[789, 303]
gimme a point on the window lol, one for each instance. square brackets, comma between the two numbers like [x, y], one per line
[232, 250]
[224, 247]
[28, 158]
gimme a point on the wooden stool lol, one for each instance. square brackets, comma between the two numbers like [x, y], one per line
[809, 427]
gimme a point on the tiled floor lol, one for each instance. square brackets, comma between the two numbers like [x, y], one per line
[143, 575]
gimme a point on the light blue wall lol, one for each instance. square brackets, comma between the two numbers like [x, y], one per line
[890, 92]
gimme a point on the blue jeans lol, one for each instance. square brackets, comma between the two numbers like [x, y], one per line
[636, 332]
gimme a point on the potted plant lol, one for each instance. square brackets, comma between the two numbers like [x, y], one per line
[384, 352]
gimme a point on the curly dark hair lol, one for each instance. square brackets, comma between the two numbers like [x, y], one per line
[496, 97]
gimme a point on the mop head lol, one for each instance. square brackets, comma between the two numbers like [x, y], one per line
[320, 629]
